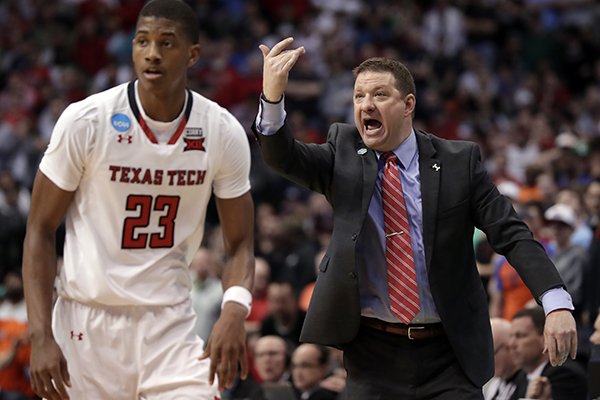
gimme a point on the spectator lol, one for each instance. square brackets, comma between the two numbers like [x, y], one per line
[207, 291]
[582, 233]
[508, 375]
[15, 348]
[14, 206]
[568, 381]
[307, 291]
[568, 258]
[244, 389]
[271, 359]
[260, 304]
[310, 365]
[13, 302]
[285, 318]
[443, 30]
[591, 199]
[292, 259]
[15, 351]
[336, 380]
[522, 149]
[507, 291]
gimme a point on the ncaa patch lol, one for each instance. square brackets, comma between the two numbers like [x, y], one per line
[121, 122]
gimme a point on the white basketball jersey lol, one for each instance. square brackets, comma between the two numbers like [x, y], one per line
[139, 207]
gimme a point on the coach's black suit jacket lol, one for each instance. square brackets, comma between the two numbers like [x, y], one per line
[457, 194]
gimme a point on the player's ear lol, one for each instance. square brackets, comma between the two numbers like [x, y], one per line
[194, 54]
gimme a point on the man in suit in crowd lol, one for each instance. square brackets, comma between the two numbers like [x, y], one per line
[285, 319]
[310, 365]
[398, 289]
[527, 343]
[507, 374]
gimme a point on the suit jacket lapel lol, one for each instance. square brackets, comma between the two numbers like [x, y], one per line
[369, 163]
[429, 170]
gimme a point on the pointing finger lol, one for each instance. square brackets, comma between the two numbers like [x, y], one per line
[282, 45]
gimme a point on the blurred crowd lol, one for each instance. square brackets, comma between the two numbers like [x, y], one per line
[519, 77]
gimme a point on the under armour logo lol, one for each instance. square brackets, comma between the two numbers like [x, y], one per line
[78, 336]
[127, 138]
[436, 167]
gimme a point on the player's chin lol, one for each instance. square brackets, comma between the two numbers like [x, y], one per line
[150, 79]
[154, 86]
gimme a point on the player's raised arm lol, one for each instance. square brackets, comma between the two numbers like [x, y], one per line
[277, 63]
[48, 369]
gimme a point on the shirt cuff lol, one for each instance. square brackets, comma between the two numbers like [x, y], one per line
[271, 116]
[556, 299]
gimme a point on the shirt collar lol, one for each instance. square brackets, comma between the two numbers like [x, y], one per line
[406, 152]
[537, 372]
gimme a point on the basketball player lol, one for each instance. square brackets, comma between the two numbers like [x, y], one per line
[132, 169]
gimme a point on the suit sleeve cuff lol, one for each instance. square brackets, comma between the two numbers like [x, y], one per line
[556, 299]
[271, 116]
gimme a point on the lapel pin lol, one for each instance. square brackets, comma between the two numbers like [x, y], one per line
[361, 151]
[436, 167]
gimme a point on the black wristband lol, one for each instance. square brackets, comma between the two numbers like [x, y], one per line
[262, 96]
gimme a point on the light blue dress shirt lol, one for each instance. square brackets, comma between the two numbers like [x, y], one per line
[370, 262]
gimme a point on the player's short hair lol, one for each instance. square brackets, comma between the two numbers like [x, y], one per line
[404, 79]
[174, 10]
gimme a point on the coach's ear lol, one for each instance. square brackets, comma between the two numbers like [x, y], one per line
[194, 55]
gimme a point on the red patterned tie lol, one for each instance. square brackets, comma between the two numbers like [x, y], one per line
[402, 280]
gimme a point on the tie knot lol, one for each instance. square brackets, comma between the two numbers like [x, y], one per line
[389, 157]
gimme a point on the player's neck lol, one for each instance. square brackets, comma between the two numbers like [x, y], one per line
[162, 106]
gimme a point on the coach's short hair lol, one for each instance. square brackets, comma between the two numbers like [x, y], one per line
[174, 10]
[404, 79]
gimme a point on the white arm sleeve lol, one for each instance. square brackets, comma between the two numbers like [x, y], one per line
[233, 176]
[65, 158]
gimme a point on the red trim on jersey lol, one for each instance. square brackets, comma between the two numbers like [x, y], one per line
[179, 131]
[138, 115]
[147, 130]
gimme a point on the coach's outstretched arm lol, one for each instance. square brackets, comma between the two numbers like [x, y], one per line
[226, 345]
[48, 367]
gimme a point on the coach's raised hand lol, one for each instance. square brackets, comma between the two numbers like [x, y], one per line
[278, 62]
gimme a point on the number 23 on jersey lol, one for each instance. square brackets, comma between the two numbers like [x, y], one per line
[145, 205]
